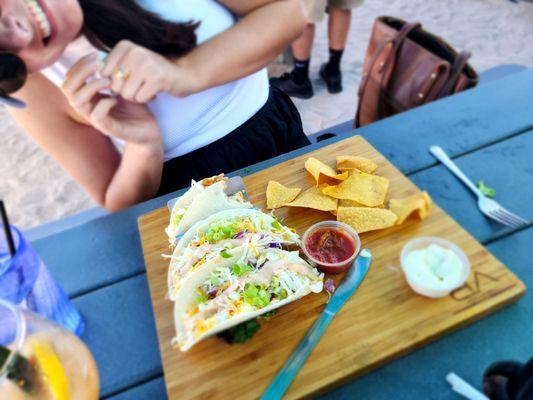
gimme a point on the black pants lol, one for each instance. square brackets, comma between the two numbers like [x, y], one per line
[275, 129]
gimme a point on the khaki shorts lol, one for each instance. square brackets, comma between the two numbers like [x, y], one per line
[317, 8]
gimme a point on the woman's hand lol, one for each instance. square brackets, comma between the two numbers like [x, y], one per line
[126, 178]
[113, 116]
[139, 74]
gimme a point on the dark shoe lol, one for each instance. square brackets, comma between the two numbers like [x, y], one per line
[497, 377]
[333, 81]
[287, 84]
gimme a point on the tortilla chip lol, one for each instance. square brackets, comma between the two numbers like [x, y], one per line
[349, 203]
[278, 195]
[368, 190]
[352, 203]
[347, 163]
[314, 198]
[418, 204]
[323, 173]
[364, 219]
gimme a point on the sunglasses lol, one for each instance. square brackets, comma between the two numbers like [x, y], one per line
[13, 76]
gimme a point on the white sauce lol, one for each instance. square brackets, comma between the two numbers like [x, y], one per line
[434, 269]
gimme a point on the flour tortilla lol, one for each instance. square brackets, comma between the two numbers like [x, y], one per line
[186, 296]
[204, 224]
[174, 285]
[188, 197]
[201, 203]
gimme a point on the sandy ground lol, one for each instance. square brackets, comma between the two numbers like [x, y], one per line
[37, 190]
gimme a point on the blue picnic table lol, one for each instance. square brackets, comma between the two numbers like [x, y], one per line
[488, 131]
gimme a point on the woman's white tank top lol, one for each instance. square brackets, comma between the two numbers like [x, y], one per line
[189, 123]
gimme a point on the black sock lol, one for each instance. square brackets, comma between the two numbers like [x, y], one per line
[300, 73]
[333, 67]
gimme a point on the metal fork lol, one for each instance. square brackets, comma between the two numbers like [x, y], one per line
[489, 207]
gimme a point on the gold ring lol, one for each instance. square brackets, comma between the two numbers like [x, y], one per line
[121, 75]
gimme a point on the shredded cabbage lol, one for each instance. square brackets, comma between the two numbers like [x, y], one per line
[230, 292]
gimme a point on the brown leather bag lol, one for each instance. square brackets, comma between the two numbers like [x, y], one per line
[405, 67]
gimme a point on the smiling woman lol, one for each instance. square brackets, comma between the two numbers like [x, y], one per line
[37, 31]
[43, 21]
[135, 99]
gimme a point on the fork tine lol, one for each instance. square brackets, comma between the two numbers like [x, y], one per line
[516, 217]
[509, 221]
[499, 219]
[510, 217]
[492, 216]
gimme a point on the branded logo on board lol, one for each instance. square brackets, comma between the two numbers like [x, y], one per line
[467, 291]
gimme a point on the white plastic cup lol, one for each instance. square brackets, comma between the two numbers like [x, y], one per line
[422, 243]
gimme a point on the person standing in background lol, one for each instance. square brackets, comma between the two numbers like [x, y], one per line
[297, 83]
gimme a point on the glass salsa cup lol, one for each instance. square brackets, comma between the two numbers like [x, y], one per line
[345, 230]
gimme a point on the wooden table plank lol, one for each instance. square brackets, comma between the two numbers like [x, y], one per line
[105, 250]
[151, 390]
[506, 166]
[120, 333]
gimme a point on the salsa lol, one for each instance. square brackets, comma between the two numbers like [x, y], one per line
[330, 246]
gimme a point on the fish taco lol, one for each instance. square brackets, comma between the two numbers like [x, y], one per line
[231, 291]
[221, 236]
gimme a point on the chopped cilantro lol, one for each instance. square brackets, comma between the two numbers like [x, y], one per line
[487, 191]
[241, 333]
[266, 316]
[241, 269]
[225, 254]
[276, 225]
[200, 298]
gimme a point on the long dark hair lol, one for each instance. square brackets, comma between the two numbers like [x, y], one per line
[107, 22]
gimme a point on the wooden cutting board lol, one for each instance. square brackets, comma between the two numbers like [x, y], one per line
[384, 320]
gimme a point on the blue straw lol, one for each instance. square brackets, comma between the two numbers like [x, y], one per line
[7, 230]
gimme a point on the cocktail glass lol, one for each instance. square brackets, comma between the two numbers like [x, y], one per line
[41, 360]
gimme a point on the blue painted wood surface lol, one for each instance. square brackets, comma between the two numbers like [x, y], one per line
[420, 375]
[450, 194]
[151, 390]
[120, 332]
[101, 263]
[506, 166]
